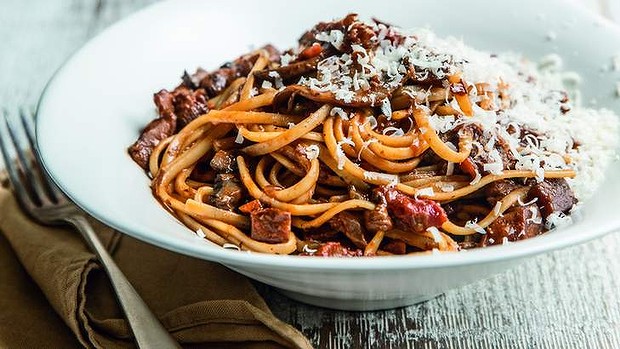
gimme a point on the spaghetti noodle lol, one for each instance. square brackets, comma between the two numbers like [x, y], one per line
[365, 140]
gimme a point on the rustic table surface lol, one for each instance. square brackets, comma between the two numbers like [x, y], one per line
[565, 299]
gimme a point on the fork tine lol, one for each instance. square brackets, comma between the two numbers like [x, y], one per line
[52, 189]
[28, 166]
[23, 116]
[12, 169]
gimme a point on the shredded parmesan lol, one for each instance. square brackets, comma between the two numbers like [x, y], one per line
[449, 168]
[277, 78]
[347, 140]
[447, 188]
[338, 111]
[372, 121]
[312, 151]
[286, 59]
[253, 92]
[309, 250]
[231, 247]
[497, 208]
[527, 203]
[239, 139]
[476, 179]
[340, 155]
[536, 219]
[377, 176]
[557, 220]
[494, 167]
[436, 234]
[201, 234]
[393, 131]
[365, 145]
[334, 37]
[533, 123]
[386, 108]
[474, 225]
[540, 174]
[428, 191]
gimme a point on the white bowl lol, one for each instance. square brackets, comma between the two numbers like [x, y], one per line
[96, 104]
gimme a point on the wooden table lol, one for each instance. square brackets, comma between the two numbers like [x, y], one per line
[565, 299]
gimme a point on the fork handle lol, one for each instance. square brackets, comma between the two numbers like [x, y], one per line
[146, 328]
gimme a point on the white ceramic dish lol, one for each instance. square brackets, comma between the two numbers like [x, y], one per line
[97, 103]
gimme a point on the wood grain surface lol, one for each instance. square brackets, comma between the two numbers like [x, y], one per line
[565, 299]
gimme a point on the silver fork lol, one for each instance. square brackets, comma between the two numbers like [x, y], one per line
[45, 203]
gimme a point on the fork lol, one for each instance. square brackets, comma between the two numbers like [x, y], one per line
[42, 200]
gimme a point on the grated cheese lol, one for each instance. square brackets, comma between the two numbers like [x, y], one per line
[312, 151]
[494, 167]
[365, 145]
[239, 139]
[340, 112]
[386, 108]
[442, 124]
[450, 169]
[372, 121]
[334, 37]
[526, 203]
[393, 131]
[557, 220]
[309, 250]
[476, 179]
[201, 234]
[536, 219]
[436, 234]
[427, 192]
[278, 79]
[534, 124]
[231, 247]
[540, 174]
[340, 155]
[349, 141]
[390, 179]
[286, 59]
[474, 225]
[447, 188]
[497, 208]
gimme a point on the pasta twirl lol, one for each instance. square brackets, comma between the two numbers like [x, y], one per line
[370, 140]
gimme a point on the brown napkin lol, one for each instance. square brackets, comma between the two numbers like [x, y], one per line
[204, 305]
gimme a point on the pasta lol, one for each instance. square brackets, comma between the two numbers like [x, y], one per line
[366, 140]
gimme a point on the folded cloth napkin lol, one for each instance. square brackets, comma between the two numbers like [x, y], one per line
[203, 304]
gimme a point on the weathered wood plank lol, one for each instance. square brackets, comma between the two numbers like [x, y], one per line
[567, 299]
